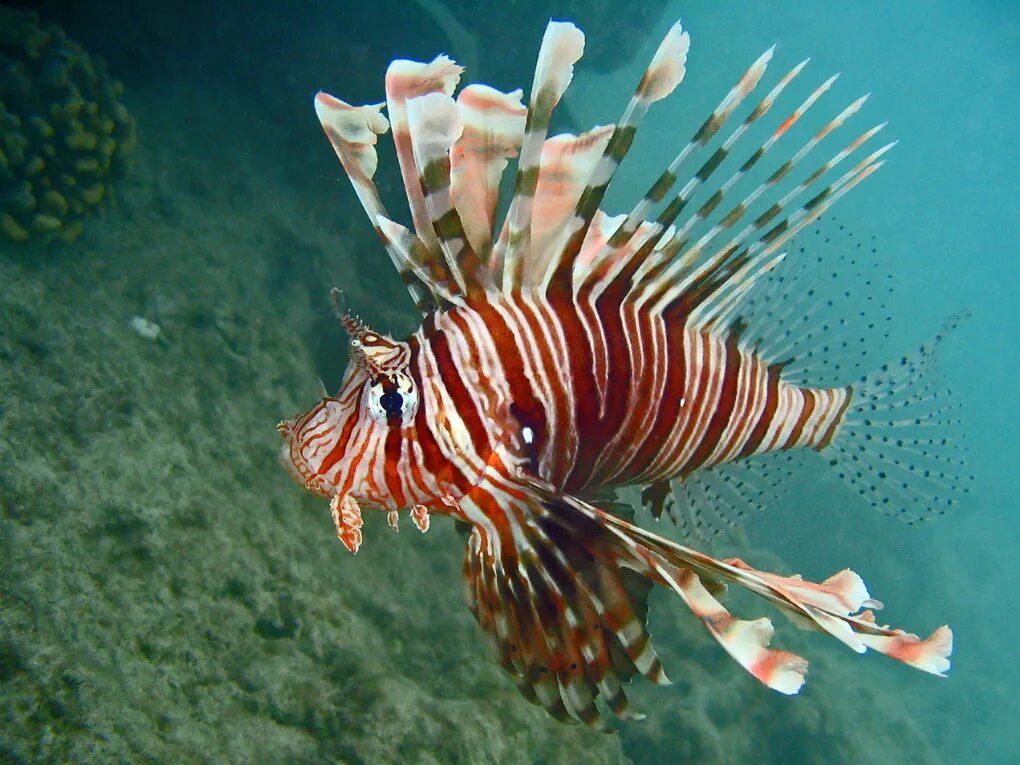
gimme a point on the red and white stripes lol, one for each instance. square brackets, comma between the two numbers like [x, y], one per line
[681, 399]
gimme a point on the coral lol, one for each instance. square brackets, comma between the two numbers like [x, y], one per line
[64, 136]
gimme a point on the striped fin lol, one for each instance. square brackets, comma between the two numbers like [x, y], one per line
[434, 121]
[622, 237]
[734, 269]
[840, 606]
[353, 132]
[567, 163]
[598, 265]
[664, 73]
[406, 80]
[493, 126]
[683, 284]
[412, 256]
[562, 46]
[564, 618]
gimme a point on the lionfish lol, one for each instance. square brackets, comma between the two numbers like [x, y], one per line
[574, 352]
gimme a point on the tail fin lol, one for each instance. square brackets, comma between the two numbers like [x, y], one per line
[895, 445]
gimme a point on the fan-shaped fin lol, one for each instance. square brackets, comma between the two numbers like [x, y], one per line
[565, 619]
[832, 606]
[674, 264]
[562, 46]
[898, 444]
[493, 126]
[434, 121]
[713, 500]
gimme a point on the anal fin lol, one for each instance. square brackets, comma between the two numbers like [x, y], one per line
[712, 501]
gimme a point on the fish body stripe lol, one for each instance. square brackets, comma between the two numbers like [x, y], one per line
[678, 399]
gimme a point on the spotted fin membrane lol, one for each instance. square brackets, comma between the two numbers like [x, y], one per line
[825, 316]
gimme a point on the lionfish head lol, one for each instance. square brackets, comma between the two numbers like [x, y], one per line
[340, 446]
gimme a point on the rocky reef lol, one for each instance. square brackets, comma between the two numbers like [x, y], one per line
[64, 135]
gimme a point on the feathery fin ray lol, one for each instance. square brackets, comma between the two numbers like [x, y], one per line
[564, 589]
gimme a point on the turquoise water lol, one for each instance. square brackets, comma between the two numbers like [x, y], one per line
[167, 595]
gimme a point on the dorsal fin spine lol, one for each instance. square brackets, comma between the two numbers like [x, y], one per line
[406, 80]
[624, 268]
[683, 265]
[664, 73]
[435, 124]
[353, 131]
[562, 46]
[679, 298]
[670, 283]
[413, 256]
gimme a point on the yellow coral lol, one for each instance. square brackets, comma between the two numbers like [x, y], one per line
[63, 134]
[93, 195]
[55, 202]
[12, 228]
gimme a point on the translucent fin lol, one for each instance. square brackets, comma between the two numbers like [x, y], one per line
[898, 443]
[493, 128]
[825, 311]
[712, 501]
[562, 46]
[353, 132]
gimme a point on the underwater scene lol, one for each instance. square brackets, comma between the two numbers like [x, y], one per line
[611, 413]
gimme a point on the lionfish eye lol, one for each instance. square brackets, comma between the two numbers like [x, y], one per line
[392, 401]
